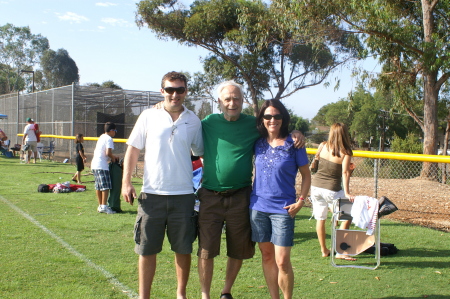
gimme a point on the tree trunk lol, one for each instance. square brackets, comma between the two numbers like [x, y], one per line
[431, 92]
[429, 170]
[444, 152]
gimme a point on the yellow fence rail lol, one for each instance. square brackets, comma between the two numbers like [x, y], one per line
[312, 151]
[394, 156]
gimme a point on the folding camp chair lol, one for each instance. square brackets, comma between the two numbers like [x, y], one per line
[40, 150]
[49, 151]
[351, 242]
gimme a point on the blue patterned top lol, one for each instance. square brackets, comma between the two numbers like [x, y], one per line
[276, 170]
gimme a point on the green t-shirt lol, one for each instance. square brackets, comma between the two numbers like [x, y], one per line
[228, 155]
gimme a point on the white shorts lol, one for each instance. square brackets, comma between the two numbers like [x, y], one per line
[322, 200]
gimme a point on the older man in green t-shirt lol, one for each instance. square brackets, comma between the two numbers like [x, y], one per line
[225, 194]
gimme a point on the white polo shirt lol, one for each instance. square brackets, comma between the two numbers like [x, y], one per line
[168, 145]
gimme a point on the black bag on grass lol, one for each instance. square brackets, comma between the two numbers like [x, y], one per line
[386, 207]
[43, 188]
[385, 249]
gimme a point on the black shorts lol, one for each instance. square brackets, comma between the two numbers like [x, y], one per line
[80, 163]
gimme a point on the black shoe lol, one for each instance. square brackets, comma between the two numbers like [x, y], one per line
[226, 296]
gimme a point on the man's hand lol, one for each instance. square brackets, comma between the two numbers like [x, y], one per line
[299, 139]
[128, 192]
[159, 105]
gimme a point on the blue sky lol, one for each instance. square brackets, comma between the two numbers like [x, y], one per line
[103, 39]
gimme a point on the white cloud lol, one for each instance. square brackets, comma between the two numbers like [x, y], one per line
[71, 17]
[105, 4]
[101, 27]
[116, 22]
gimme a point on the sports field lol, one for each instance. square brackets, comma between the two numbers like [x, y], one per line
[58, 246]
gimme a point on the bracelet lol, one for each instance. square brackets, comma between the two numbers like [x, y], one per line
[301, 199]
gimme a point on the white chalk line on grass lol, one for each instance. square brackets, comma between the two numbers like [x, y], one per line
[114, 281]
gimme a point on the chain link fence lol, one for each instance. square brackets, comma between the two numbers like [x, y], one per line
[73, 109]
[70, 110]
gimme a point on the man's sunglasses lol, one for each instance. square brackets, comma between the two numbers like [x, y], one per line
[178, 90]
[269, 116]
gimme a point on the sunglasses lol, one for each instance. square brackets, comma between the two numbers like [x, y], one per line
[178, 90]
[269, 116]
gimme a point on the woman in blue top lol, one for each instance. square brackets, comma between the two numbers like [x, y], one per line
[273, 203]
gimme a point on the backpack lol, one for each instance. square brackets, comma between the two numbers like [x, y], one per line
[37, 132]
[43, 188]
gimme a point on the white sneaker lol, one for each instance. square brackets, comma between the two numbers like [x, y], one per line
[99, 209]
[107, 210]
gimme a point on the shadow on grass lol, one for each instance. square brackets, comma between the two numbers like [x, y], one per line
[306, 236]
[128, 212]
[429, 296]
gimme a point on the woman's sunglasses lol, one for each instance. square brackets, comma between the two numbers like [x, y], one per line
[269, 116]
[178, 90]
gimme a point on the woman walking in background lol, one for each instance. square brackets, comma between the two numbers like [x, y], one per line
[273, 203]
[80, 159]
[332, 181]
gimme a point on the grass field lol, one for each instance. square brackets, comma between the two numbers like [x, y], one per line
[58, 246]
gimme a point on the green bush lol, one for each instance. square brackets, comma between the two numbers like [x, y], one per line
[411, 144]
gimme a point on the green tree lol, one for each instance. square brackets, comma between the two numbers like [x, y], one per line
[19, 49]
[366, 114]
[298, 123]
[341, 113]
[247, 44]
[105, 84]
[93, 84]
[58, 69]
[110, 84]
[411, 144]
[205, 110]
[410, 38]
[4, 82]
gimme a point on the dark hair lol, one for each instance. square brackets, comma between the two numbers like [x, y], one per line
[109, 126]
[284, 130]
[172, 76]
[78, 138]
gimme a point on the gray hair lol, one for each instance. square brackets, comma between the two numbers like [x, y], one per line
[229, 83]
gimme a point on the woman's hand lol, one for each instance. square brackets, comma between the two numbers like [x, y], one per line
[294, 208]
[350, 197]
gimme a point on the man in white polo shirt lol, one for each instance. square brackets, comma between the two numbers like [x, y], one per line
[166, 201]
[29, 140]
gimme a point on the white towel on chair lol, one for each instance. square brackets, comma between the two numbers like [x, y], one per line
[365, 213]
